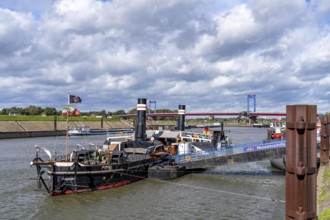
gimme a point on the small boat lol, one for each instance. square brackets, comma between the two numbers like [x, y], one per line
[82, 130]
[79, 130]
[277, 129]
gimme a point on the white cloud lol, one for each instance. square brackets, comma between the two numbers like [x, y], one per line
[175, 52]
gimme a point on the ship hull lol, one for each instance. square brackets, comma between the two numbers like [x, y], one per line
[72, 177]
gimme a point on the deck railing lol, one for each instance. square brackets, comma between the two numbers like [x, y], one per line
[224, 151]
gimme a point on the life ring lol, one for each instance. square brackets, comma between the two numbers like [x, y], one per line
[188, 158]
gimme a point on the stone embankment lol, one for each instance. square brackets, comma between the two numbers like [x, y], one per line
[18, 129]
[21, 129]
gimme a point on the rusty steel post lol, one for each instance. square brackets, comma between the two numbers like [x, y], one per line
[301, 167]
[324, 145]
[55, 123]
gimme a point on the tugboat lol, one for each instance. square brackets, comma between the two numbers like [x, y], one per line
[277, 129]
[90, 169]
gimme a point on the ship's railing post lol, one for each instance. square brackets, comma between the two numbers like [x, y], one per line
[324, 145]
[301, 166]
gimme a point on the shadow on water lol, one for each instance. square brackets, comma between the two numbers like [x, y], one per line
[261, 168]
[240, 173]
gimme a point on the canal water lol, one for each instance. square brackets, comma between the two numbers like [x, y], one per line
[242, 191]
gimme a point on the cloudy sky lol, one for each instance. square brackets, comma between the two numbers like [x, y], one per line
[206, 54]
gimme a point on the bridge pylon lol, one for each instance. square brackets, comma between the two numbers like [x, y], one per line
[152, 106]
[253, 98]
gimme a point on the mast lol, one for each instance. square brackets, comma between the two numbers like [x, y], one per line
[67, 130]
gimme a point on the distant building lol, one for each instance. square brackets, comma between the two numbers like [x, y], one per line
[72, 112]
[13, 113]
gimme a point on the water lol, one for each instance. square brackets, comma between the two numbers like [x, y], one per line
[242, 191]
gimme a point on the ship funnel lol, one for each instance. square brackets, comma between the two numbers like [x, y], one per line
[181, 118]
[140, 127]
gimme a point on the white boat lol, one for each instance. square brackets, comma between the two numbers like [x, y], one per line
[79, 130]
[277, 129]
[84, 130]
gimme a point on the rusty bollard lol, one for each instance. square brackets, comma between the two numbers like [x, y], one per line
[301, 167]
[324, 145]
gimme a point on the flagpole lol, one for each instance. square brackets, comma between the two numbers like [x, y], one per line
[67, 130]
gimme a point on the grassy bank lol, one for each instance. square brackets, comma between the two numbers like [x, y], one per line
[323, 199]
[51, 118]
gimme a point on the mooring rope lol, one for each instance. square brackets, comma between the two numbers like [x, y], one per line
[214, 190]
[222, 191]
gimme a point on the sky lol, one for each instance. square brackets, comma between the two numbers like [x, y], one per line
[206, 54]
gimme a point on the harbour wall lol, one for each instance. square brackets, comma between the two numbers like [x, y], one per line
[23, 129]
[26, 134]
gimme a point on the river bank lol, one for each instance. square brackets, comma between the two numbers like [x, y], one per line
[23, 129]
[323, 192]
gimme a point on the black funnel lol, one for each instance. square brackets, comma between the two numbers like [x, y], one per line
[181, 118]
[140, 127]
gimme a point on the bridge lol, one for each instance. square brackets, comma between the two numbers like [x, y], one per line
[152, 111]
[250, 114]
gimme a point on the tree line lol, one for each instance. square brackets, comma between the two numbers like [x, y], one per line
[30, 110]
[33, 110]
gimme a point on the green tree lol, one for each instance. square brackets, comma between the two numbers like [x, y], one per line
[119, 112]
[33, 110]
[132, 111]
[50, 111]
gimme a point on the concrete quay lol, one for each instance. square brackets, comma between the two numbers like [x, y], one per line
[23, 129]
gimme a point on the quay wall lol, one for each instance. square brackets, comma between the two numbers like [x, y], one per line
[26, 134]
[23, 129]
[18, 129]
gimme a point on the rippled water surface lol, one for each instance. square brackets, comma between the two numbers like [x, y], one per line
[242, 191]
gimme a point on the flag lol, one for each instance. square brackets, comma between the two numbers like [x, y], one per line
[74, 99]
